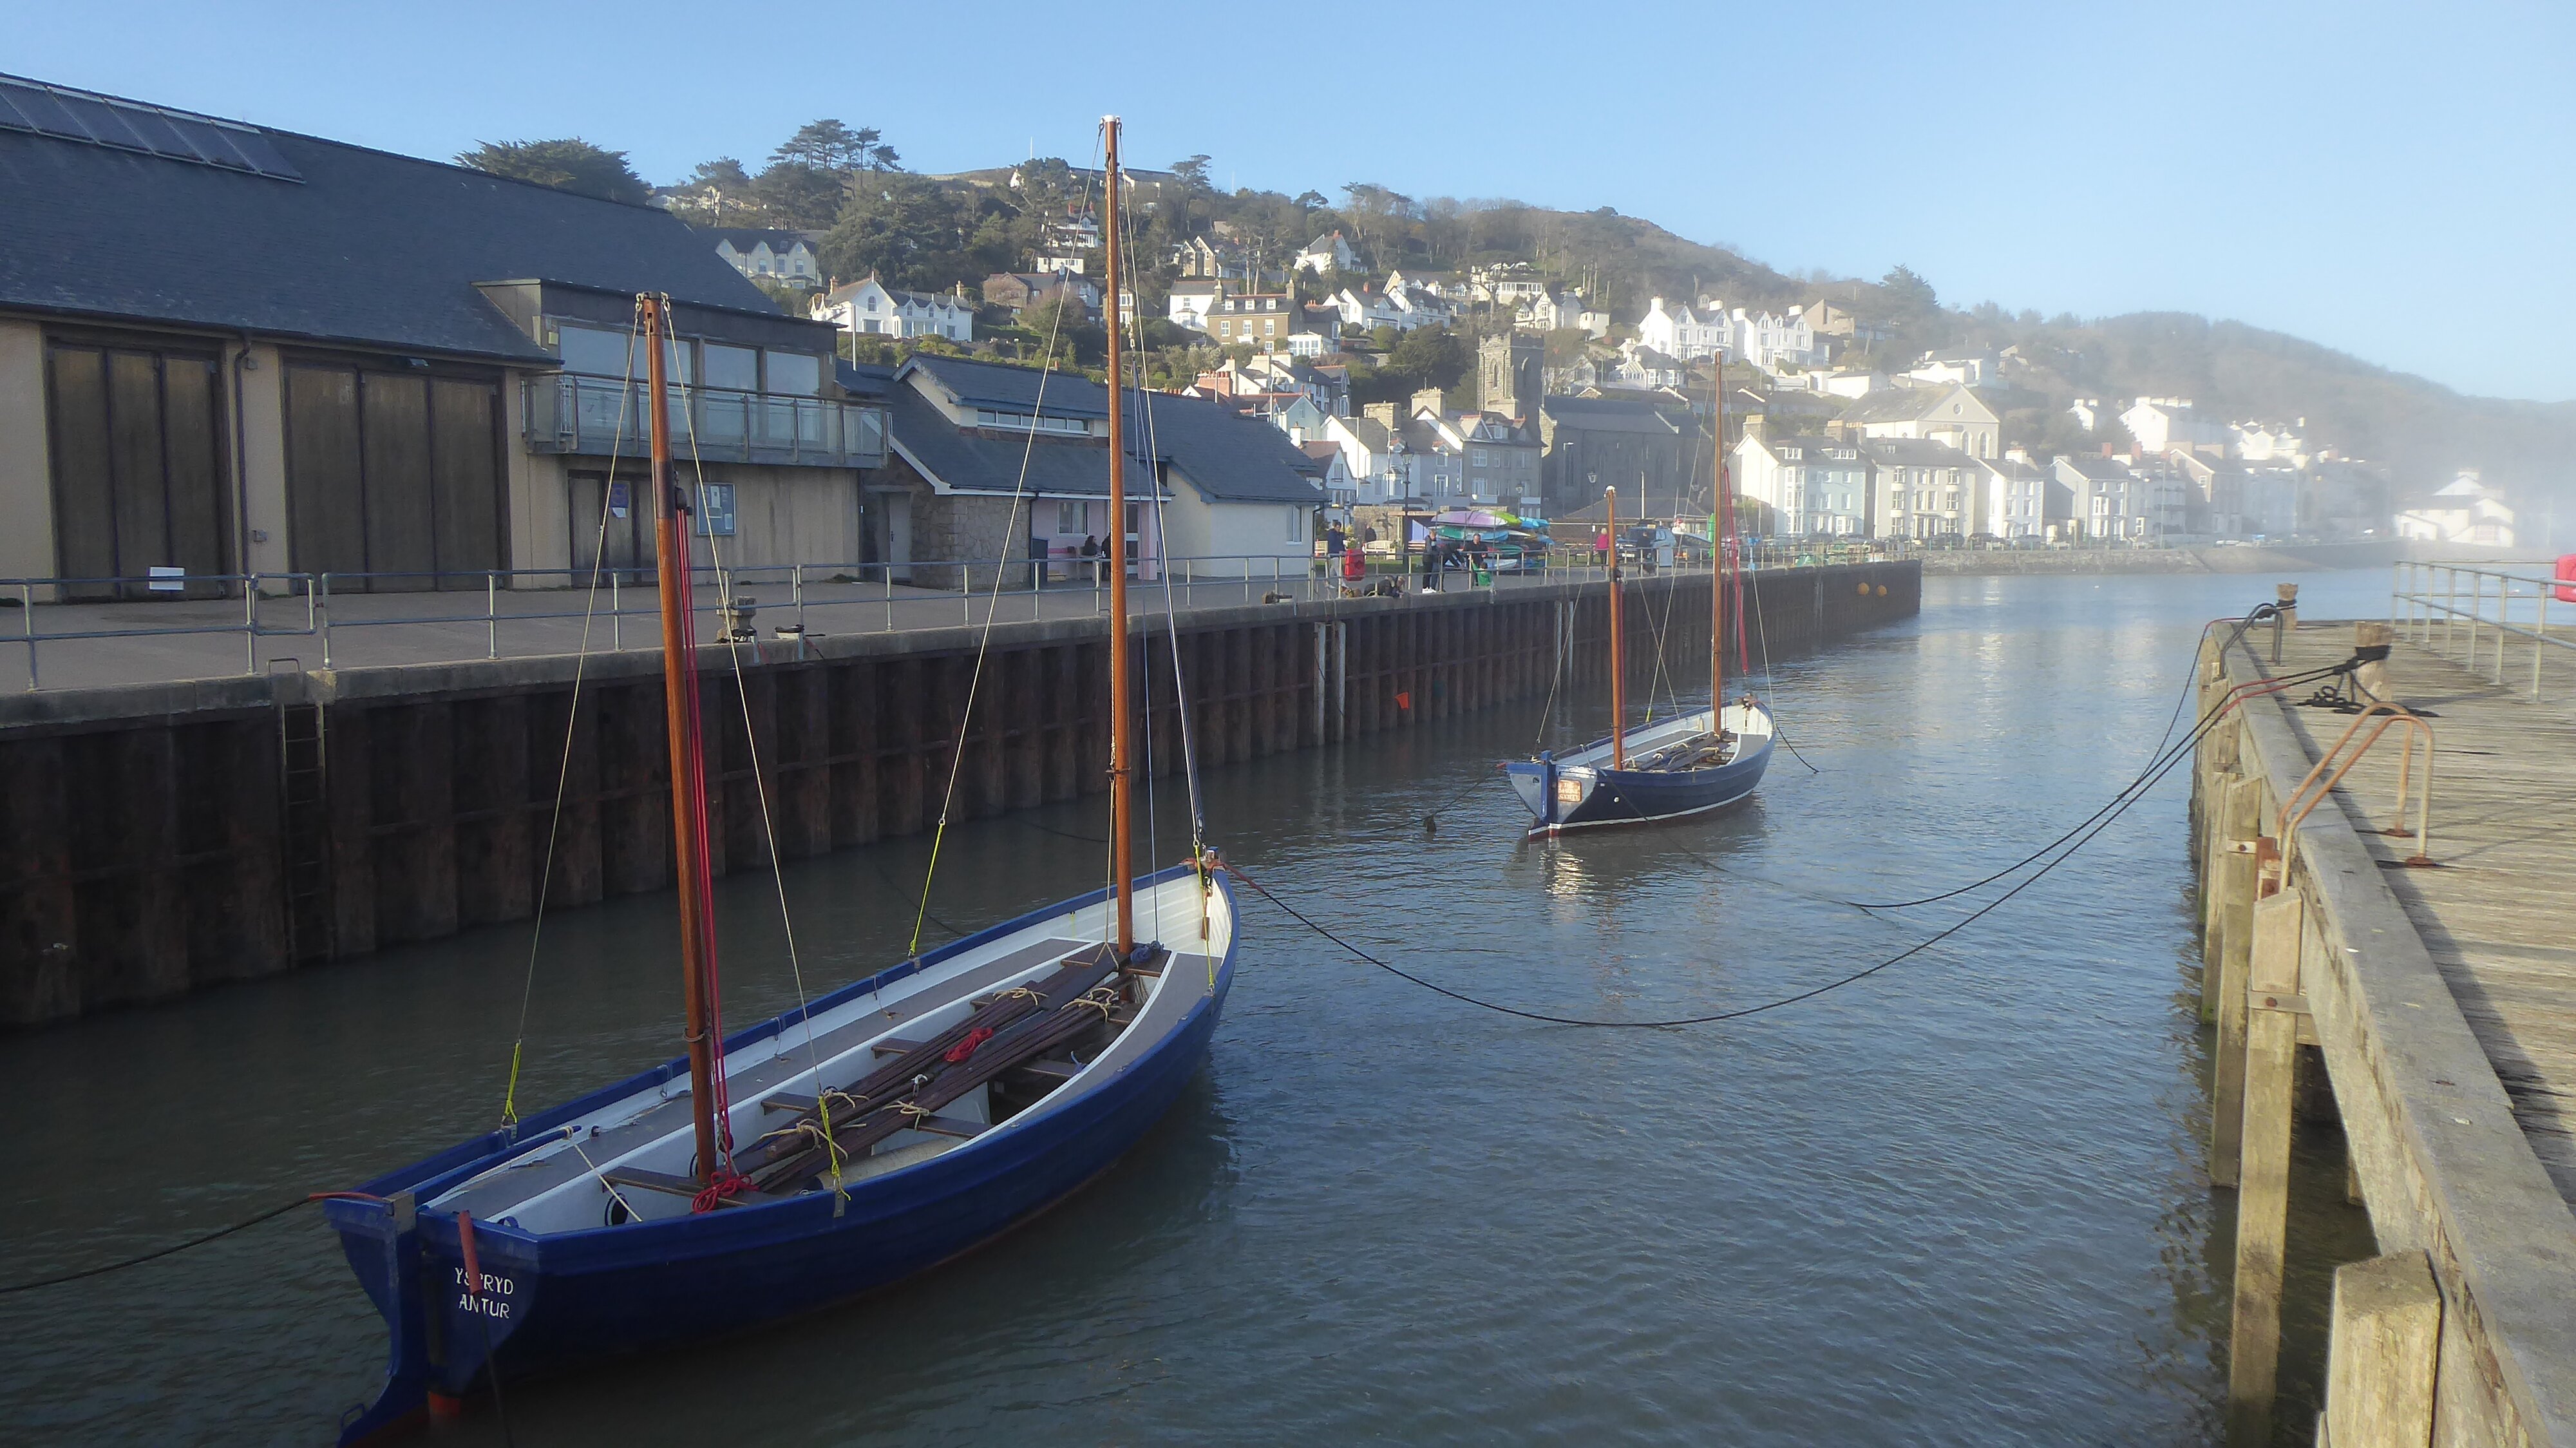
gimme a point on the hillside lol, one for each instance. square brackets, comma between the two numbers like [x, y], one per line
[936, 232]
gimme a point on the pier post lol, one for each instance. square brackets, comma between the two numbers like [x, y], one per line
[2384, 1344]
[2372, 678]
[2263, 1187]
[2227, 887]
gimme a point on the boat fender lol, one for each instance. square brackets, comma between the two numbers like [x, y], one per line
[965, 1049]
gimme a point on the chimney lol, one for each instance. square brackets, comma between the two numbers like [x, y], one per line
[1753, 425]
[2106, 449]
[1383, 414]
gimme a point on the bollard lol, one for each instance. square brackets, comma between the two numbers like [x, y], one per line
[2285, 616]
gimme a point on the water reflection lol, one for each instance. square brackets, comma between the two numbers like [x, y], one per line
[1959, 1202]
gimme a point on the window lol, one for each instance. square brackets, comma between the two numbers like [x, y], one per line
[1069, 517]
[735, 367]
[1296, 524]
[715, 510]
[595, 350]
[794, 374]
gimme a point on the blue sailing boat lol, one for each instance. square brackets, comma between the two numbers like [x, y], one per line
[1684, 765]
[863, 1137]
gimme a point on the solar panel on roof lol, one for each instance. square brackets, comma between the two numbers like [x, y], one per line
[49, 110]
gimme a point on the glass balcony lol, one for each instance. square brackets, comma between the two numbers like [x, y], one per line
[596, 416]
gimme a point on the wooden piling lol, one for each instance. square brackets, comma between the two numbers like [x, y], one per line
[2380, 1364]
[2263, 1183]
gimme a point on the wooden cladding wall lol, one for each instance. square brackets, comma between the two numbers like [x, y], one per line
[141, 857]
[137, 440]
[394, 473]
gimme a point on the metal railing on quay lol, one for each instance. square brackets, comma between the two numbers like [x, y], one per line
[524, 611]
[2483, 605]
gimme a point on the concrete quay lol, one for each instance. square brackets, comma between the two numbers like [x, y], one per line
[2409, 924]
[159, 837]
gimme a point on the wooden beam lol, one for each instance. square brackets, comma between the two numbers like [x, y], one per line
[2232, 885]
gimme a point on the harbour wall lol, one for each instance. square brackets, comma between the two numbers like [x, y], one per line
[158, 838]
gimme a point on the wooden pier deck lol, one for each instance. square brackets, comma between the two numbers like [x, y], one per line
[2438, 979]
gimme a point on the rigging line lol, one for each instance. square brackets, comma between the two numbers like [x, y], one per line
[1771, 689]
[1670, 696]
[139, 1259]
[992, 614]
[1712, 1017]
[572, 717]
[2261, 611]
[768, 823]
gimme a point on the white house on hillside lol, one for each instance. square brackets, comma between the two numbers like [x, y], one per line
[1938, 414]
[870, 307]
[2465, 510]
[1190, 303]
[1327, 254]
[2164, 424]
[1774, 342]
[782, 256]
[1693, 336]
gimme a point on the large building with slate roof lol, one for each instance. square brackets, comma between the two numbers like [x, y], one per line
[225, 349]
[995, 465]
[1641, 447]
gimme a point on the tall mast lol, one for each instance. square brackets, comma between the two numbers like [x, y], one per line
[1717, 562]
[688, 758]
[1121, 706]
[1618, 654]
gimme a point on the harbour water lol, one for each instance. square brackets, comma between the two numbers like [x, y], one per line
[1960, 1201]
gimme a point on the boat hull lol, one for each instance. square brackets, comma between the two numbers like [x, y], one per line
[561, 1301]
[1581, 790]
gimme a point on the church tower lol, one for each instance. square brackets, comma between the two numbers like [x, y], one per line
[1511, 372]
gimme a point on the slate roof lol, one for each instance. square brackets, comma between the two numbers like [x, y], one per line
[1611, 414]
[1898, 404]
[371, 248]
[1226, 456]
[1914, 452]
[744, 238]
[2100, 469]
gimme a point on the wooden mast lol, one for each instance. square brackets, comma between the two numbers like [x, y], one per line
[1717, 521]
[1618, 655]
[1121, 706]
[688, 758]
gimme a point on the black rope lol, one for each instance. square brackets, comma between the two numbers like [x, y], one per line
[154, 1256]
[2154, 766]
[2083, 834]
[1712, 1017]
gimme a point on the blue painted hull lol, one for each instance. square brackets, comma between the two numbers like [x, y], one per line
[1581, 791]
[561, 1300]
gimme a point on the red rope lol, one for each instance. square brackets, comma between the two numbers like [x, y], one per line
[722, 1183]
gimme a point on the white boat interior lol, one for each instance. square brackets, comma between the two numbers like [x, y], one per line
[583, 1174]
[1681, 741]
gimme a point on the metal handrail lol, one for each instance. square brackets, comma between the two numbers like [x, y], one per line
[2417, 596]
[326, 596]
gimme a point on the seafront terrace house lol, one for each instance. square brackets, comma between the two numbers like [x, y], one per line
[2109, 500]
[2463, 510]
[871, 308]
[230, 349]
[2024, 502]
[1811, 484]
[1925, 489]
[997, 465]
[1021, 291]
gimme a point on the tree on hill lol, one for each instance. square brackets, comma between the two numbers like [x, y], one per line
[570, 164]
[832, 146]
[907, 229]
[722, 191]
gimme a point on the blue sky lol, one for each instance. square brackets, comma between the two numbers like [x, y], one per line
[2395, 181]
